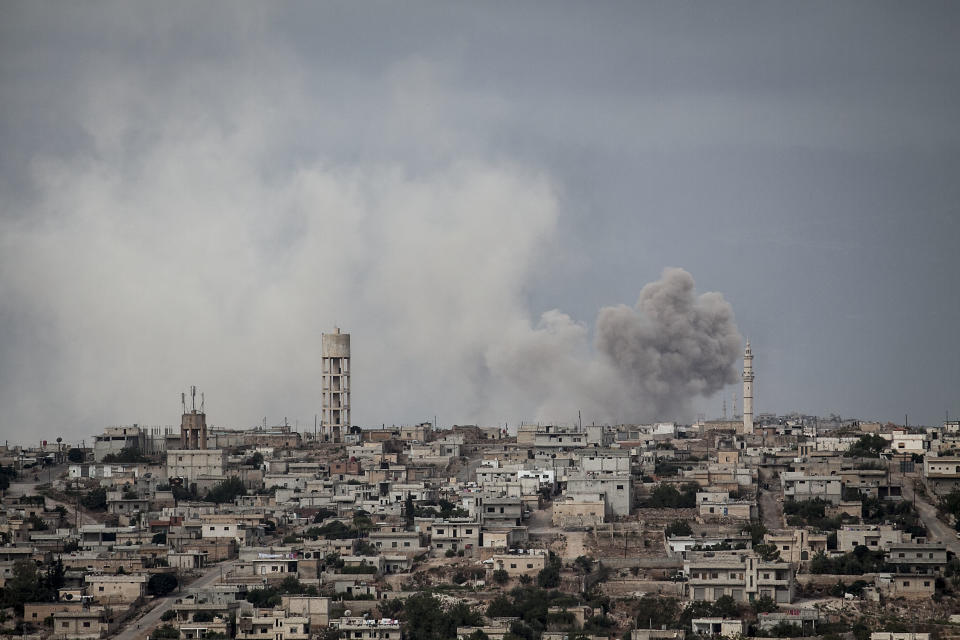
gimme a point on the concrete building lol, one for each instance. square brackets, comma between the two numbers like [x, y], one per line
[528, 563]
[748, 389]
[190, 464]
[921, 559]
[800, 486]
[741, 575]
[367, 629]
[116, 589]
[335, 417]
[616, 490]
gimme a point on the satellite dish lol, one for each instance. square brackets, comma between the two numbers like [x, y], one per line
[346, 613]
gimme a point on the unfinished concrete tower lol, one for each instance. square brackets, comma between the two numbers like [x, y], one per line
[748, 389]
[193, 423]
[336, 385]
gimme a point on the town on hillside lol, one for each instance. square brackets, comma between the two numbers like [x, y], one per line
[783, 526]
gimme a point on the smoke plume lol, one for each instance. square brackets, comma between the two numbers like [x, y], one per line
[192, 226]
[649, 362]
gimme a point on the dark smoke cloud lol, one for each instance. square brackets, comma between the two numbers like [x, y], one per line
[648, 362]
[672, 346]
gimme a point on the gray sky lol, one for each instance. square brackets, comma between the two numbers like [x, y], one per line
[192, 192]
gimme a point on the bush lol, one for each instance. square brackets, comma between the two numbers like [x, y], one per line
[500, 576]
[75, 455]
[203, 616]
[168, 615]
[678, 528]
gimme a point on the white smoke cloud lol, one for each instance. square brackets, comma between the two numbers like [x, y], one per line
[209, 228]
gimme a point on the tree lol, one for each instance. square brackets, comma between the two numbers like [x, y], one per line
[322, 515]
[226, 490]
[409, 511]
[160, 538]
[500, 576]
[22, 587]
[165, 632]
[584, 564]
[425, 618]
[726, 607]
[655, 612]
[75, 455]
[168, 615]
[256, 460]
[868, 446]
[549, 576]
[95, 500]
[160, 584]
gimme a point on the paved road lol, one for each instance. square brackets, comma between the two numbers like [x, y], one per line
[140, 628]
[937, 528]
[770, 505]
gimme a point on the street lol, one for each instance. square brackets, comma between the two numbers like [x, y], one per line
[937, 529]
[138, 628]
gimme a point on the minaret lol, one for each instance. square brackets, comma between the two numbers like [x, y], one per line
[748, 389]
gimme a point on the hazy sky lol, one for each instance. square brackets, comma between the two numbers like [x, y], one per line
[190, 193]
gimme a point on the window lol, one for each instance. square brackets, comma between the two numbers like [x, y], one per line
[529, 566]
[513, 566]
[99, 588]
[469, 532]
[86, 624]
[64, 624]
[619, 487]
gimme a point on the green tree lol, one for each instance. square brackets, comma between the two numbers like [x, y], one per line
[23, 586]
[409, 511]
[160, 584]
[764, 604]
[654, 612]
[500, 576]
[75, 455]
[95, 500]
[226, 490]
[425, 618]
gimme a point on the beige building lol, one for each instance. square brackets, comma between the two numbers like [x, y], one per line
[579, 511]
[116, 589]
[272, 624]
[82, 623]
[190, 464]
[520, 564]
